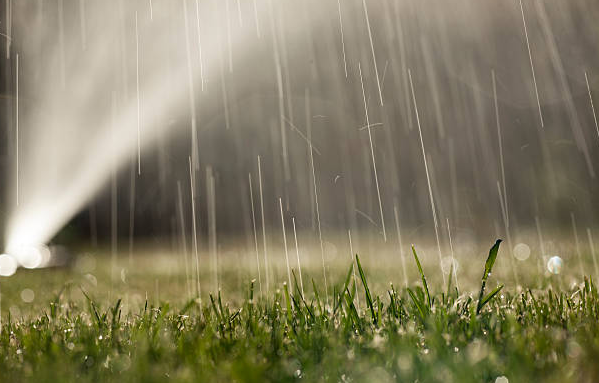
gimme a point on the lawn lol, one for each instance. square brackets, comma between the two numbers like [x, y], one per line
[79, 330]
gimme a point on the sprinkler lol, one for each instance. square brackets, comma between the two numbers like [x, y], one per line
[31, 257]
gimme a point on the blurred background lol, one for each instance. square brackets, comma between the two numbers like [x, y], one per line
[423, 119]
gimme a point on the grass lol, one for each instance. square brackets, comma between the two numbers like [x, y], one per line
[410, 335]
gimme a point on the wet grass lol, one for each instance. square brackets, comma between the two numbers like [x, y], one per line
[409, 334]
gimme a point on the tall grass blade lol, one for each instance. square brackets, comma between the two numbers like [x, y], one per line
[366, 290]
[428, 295]
[488, 268]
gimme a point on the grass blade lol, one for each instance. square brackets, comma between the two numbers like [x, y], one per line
[342, 292]
[488, 268]
[449, 282]
[417, 303]
[366, 289]
[287, 302]
[491, 295]
[428, 295]
[352, 311]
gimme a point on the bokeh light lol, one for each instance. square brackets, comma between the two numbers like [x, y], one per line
[555, 265]
[521, 251]
[8, 265]
[27, 295]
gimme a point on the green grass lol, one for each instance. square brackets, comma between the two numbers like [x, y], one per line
[405, 335]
